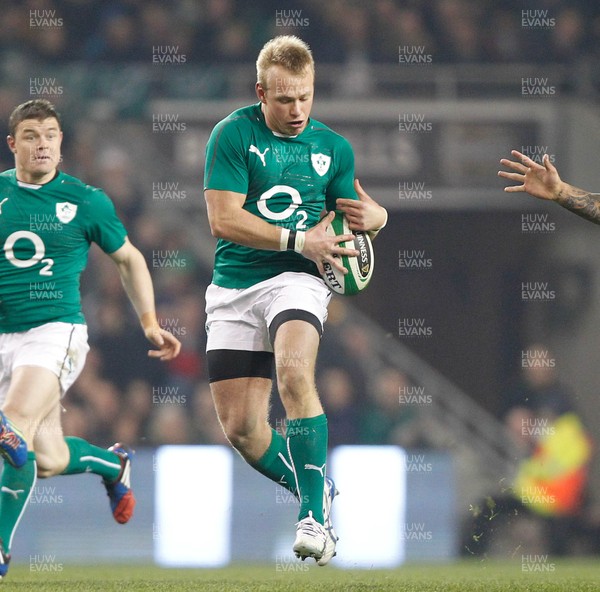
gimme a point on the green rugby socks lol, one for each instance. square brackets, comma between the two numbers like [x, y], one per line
[87, 458]
[275, 463]
[307, 440]
[15, 490]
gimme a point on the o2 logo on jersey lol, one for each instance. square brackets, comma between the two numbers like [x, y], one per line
[38, 256]
[263, 206]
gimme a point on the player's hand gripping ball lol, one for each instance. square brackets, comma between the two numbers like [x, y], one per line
[360, 268]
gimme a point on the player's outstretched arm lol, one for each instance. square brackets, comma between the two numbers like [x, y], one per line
[543, 181]
[363, 213]
[230, 221]
[138, 285]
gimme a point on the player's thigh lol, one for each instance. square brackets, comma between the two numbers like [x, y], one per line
[296, 316]
[37, 368]
[33, 392]
[296, 345]
[52, 453]
[239, 357]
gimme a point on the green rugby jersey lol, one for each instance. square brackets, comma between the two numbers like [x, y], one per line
[45, 233]
[288, 181]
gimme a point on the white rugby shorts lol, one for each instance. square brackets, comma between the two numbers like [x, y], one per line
[239, 319]
[58, 347]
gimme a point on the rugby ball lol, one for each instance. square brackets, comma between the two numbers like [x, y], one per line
[360, 268]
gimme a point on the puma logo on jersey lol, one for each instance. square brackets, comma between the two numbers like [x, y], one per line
[321, 469]
[260, 154]
[14, 492]
[1, 202]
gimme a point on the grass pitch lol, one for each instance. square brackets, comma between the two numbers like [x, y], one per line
[469, 576]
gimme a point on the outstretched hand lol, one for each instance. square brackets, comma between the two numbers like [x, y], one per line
[168, 345]
[363, 213]
[539, 180]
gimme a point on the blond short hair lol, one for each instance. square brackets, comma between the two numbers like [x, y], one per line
[288, 51]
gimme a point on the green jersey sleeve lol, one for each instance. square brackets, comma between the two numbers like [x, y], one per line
[342, 184]
[104, 226]
[226, 166]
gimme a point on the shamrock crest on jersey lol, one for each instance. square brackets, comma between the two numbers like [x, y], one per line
[320, 163]
[65, 211]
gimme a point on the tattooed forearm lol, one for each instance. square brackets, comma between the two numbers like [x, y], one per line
[580, 202]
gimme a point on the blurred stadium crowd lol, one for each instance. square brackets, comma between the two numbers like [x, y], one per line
[212, 31]
[124, 396]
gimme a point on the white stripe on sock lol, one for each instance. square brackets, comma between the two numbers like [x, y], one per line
[293, 467]
[284, 460]
[101, 461]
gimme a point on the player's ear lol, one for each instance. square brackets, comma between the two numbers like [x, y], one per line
[11, 143]
[261, 93]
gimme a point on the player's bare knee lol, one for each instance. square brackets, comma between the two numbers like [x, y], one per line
[238, 441]
[242, 435]
[50, 469]
[238, 434]
[49, 465]
[44, 472]
[294, 385]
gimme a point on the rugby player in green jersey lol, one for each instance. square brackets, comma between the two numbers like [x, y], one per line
[48, 221]
[271, 171]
